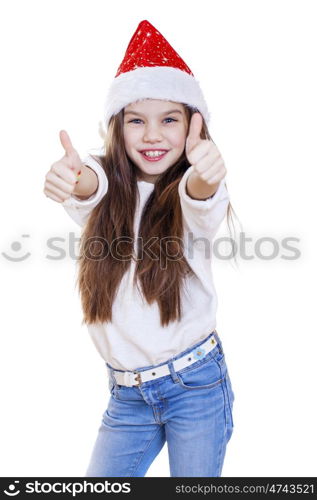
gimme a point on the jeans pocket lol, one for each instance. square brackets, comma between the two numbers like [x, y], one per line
[231, 394]
[229, 405]
[206, 375]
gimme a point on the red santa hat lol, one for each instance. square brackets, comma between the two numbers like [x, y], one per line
[152, 69]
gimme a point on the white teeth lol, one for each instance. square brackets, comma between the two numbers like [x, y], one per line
[154, 153]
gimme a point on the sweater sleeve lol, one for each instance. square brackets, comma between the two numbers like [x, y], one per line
[78, 209]
[203, 217]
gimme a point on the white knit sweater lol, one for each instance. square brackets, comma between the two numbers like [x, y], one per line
[135, 339]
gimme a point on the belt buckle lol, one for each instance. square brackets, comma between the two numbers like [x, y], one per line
[138, 379]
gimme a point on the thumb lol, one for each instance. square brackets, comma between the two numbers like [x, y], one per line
[195, 127]
[66, 143]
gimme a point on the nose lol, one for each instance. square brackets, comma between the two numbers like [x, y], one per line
[152, 133]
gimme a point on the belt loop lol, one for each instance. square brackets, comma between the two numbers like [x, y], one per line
[216, 335]
[172, 371]
[111, 376]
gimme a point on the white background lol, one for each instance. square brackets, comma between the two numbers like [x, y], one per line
[256, 63]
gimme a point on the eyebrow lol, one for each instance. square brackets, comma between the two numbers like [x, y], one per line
[165, 112]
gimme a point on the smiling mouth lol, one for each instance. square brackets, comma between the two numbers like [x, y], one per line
[154, 157]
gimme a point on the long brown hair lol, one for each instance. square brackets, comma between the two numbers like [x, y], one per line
[107, 241]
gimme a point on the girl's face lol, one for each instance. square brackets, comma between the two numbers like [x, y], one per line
[158, 126]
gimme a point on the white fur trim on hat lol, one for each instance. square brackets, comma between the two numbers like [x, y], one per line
[157, 82]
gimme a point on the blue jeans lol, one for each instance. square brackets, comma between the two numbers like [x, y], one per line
[190, 409]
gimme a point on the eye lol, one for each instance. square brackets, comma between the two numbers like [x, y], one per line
[138, 120]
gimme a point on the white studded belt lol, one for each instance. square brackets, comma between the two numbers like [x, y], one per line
[136, 378]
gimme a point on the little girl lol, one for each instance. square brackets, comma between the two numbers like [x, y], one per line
[150, 207]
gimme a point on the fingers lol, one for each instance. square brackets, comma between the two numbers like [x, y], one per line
[195, 127]
[58, 188]
[66, 185]
[207, 161]
[199, 152]
[60, 170]
[53, 196]
[212, 173]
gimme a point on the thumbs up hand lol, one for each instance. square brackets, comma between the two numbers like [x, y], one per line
[61, 179]
[203, 154]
